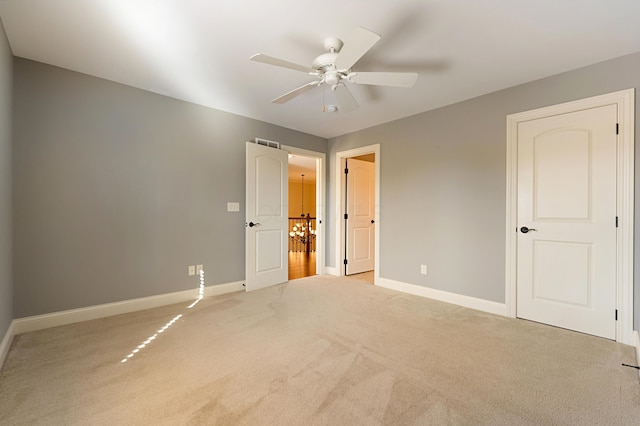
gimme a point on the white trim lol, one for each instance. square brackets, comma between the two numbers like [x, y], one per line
[625, 195]
[321, 203]
[339, 206]
[444, 296]
[330, 270]
[220, 289]
[6, 343]
[54, 319]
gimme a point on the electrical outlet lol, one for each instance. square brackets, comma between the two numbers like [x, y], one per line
[423, 269]
[192, 270]
[199, 269]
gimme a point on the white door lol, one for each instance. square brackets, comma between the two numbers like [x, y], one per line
[266, 261]
[566, 270]
[360, 216]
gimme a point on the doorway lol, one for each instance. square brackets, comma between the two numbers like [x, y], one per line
[570, 216]
[357, 226]
[306, 213]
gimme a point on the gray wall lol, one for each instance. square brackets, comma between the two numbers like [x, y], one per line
[118, 190]
[6, 278]
[443, 182]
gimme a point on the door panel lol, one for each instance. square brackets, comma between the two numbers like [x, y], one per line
[562, 166]
[269, 196]
[266, 261]
[268, 250]
[566, 273]
[563, 272]
[361, 213]
[361, 247]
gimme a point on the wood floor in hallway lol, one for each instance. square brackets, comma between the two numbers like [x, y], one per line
[301, 265]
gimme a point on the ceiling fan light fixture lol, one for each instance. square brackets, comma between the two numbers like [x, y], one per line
[332, 78]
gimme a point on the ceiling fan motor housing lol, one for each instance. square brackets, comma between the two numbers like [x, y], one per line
[324, 62]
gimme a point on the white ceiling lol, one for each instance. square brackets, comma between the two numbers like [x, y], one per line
[198, 50]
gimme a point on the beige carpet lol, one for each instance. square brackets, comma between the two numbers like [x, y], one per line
[319, 350]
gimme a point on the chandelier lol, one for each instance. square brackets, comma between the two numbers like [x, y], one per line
[303, 230]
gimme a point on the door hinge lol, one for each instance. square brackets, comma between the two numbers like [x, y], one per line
[616, 221]
[617, 128]
[616, 315]
[346, 171]
[346, 216]
[345, 261]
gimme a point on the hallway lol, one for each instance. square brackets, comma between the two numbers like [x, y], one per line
[301, 265]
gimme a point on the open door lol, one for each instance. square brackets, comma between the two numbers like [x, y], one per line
[266, 261]
[360, 228]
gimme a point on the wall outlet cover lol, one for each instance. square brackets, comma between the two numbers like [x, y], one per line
[192, 270]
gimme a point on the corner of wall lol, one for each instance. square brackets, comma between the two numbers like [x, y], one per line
[6, 192]
[5, 344]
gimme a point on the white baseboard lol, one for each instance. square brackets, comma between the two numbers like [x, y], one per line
[54, 319]
[444, 296]
[330, 270]
[217, 290]
[636, 339]
[6, 343]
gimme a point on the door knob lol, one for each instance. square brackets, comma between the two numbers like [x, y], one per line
[373, 221]
[524, 229]
[251, 224]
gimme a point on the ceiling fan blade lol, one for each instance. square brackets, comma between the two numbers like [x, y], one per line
[295, 92]
[355, 46]
[396, 79]
[258, 57]
[346, 101]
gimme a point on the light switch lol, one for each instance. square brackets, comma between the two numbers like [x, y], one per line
[233, 207]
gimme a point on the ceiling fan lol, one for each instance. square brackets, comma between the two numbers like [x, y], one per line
[334, 69]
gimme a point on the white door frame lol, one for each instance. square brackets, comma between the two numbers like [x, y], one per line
[625, 198]
[321, 205]
[340, 207]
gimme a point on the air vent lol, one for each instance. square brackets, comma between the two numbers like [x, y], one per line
[270, 144]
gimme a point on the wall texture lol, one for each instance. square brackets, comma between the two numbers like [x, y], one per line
[295, 198]
[118, 190]
[443, 182]
[6, 276]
